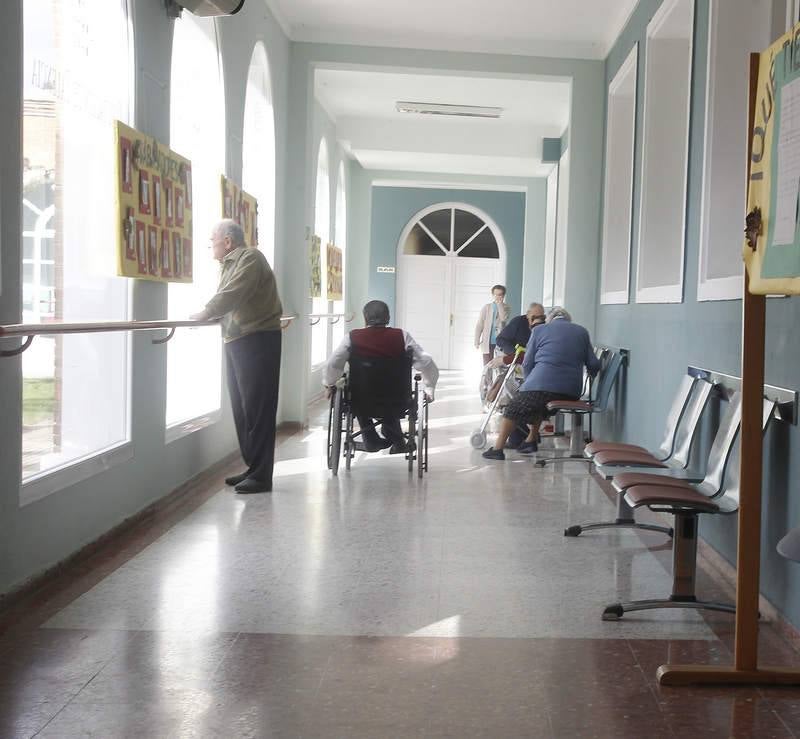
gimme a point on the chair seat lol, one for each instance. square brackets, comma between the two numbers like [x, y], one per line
[571, 406]
[667, 496]
[631, 459]
[626, 480]
[594, 447]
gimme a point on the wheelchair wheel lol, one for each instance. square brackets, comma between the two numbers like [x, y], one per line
[349, 451]
[422, 436]
[335, 450]
[330, 430]
[478, 439]
[412, 427]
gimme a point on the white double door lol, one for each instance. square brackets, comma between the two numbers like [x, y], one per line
[438, 302]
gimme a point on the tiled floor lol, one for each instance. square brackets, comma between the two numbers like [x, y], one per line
[376, 605]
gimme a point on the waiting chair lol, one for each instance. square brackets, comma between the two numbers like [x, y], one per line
[577, 409]
[686, 504]
[677, 461]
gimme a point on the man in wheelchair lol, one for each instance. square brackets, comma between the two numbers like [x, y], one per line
[389, 351]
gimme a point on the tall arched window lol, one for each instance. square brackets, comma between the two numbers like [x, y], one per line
[197, 131]
[258, 150]
[322, 225]
[77, 68]
[340, 239]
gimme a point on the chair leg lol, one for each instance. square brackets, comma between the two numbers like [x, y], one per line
[684, 570]
[624, 520]
[576, 445]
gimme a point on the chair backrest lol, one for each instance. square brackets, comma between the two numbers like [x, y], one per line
[679, 403]
[380, 386]
[689, 423]
[728, 499]
[721, 449]
[606, 378]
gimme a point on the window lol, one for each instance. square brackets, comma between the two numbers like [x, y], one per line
[550, 237]
[197, 131]
[451, 231]
[618, 201]
[733, 25]
[77, 68]
[322, 225]
[662, 211]
[258, 148]
[341, 242]
[562, 211]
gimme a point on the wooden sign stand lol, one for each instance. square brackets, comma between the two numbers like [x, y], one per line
[745, 670]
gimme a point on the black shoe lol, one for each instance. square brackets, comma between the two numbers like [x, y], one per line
[398, 448]
[528, 447]
[373, 446]
[236, 479]
[251, 485]
[493, 454]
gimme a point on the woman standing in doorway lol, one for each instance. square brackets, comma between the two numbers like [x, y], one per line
[491, 321]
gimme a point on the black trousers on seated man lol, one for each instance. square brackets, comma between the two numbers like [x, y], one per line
[253, 368]
[392, 432]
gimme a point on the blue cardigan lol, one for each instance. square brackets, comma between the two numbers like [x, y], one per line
[555, 357]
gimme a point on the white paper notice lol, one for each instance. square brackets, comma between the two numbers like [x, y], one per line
[788, 165]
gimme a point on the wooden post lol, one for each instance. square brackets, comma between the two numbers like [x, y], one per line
[745, 669]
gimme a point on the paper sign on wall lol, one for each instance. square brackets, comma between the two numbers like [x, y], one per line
[154, 209]
[335, 287]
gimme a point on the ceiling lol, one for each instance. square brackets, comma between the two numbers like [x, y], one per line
[362, 105]
[583, 29]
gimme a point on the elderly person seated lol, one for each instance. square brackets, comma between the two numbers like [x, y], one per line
[378, 340]
[555, 357]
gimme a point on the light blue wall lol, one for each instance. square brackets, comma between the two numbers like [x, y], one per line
[394, 207]
[42, 533]
[664, 339]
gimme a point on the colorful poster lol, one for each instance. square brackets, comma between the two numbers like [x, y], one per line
[335, 288]
[242, 207]
[153, 209]
[772, 246]
[316, 267]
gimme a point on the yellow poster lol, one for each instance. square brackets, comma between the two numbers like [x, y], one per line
[772, 237]
[334, 272]
[242, 208]
[154, 209]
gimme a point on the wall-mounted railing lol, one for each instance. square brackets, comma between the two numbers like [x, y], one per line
[315, 318]
[28, 331]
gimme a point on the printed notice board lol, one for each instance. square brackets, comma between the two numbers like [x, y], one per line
[335, 287]
[242, 208]
[773, 266]
[154, 209]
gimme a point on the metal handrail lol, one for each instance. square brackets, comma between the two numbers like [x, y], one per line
[31, 330]
[330, 317]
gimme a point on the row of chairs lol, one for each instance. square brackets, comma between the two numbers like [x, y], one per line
[660, 480]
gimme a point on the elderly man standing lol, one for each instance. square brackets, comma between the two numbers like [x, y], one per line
[247, 301]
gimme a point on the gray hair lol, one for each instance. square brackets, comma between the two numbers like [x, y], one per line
[229, 227]
[376, 313]
[556, 313]
[535, 305]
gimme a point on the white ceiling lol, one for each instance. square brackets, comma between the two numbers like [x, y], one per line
[362, 105]
[583, 29]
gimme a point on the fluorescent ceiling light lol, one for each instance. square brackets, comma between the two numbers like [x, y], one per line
[468, 111]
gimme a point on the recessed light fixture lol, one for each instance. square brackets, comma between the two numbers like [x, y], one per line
[466, 111]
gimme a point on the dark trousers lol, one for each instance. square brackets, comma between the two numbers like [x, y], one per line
[392, 431]
[488, 357]
[253, 366]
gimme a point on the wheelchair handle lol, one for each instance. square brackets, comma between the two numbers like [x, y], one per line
[417, 377]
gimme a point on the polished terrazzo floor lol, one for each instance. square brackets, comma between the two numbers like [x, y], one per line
[376, 605]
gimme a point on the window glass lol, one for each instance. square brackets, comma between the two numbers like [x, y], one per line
[419, 243]
[258, 157]
[438, 223]
[76, 71]
[197, 131]
[340, 241]
[322, 224]
[465, 227]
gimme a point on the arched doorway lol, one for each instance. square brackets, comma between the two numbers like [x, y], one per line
[448, 257]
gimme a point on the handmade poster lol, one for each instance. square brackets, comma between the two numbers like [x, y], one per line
[154, 209]
[334, 272]
[316, 267]
[772, 235]
[242, 207]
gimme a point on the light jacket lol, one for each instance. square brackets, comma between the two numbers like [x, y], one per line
[484, 326]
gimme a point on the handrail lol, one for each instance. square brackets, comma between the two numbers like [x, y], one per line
[330, 317]
[31, 330]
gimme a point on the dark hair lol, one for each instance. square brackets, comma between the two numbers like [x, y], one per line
[376, 313]
[499, 287]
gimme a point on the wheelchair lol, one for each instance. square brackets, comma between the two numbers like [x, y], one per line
[376, 388]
